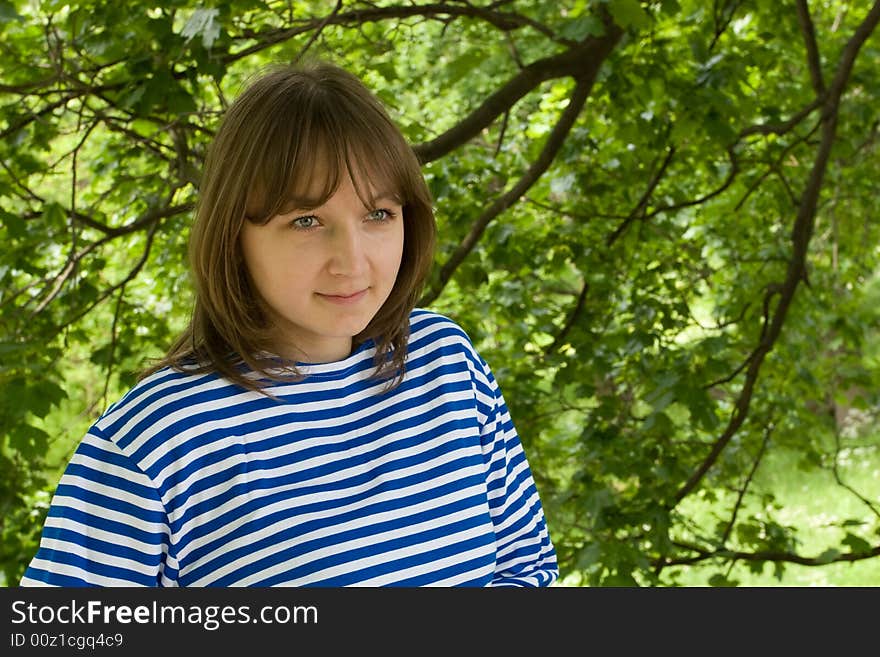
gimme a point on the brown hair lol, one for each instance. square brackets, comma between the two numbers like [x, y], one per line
[262, 157]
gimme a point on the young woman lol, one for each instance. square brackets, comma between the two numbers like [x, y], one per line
[310, 428]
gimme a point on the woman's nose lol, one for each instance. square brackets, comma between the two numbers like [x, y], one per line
[348, 255]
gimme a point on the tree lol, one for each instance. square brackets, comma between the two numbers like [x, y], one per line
[655, 223]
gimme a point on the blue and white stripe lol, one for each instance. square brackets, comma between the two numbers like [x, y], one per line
[190, 480]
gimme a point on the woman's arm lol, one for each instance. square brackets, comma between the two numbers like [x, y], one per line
[524, 552]
[106, 525]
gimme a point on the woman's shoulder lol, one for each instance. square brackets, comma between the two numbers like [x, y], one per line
[426, 323]
[164, 387]
[428, 327]
[423, 319]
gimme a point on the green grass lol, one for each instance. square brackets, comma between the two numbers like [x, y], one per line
[816, 504]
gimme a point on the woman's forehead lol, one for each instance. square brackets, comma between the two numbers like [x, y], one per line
[317, 179]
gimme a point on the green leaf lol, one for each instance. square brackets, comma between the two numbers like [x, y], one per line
[179, 101]
[8, 12]
[589, 556]
[670, 6]
[659, 422]
[629, 13]
[29, 440]
[580, 28]
[620, 579]
[16, 227]
[458, 68]
[39, 397]
[702, 408]
[663, 400]
[828, 556]
[856, 544]
[54, 214]
[721, 580]
[203, 22]
[756, 567]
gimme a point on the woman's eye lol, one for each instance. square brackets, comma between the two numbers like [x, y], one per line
[381, 215]
[308, 221]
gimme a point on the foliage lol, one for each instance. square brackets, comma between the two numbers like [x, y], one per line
[655, 219]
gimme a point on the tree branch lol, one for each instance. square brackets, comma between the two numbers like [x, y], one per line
[784, 126]
[835, 469]
[572, 318]
[582, 62]
[813, 60]
[150, 219]
[504, 21]
[317, 33]
[767, 555]
[749, 477]
[113, 288]
[800, 238]
[111, 357]
[731, 176]
[639, 210]
[538, 167]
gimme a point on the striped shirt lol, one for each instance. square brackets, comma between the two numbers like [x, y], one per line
[190, 480]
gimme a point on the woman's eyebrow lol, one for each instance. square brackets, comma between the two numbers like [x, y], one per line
[385, 196]
[307, 205]
[300, 205]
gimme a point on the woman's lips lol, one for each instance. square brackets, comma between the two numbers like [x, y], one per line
[344, 298]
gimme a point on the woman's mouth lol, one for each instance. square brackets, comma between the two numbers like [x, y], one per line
[344, 298]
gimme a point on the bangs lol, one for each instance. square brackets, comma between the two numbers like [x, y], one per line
[315, 147]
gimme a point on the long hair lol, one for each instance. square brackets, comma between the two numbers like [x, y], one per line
[262, 156]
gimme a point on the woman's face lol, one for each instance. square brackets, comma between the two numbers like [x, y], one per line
[323, 273]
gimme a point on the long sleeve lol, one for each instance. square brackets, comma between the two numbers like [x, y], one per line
[106, 525]
[190, 481]
[524, 552]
